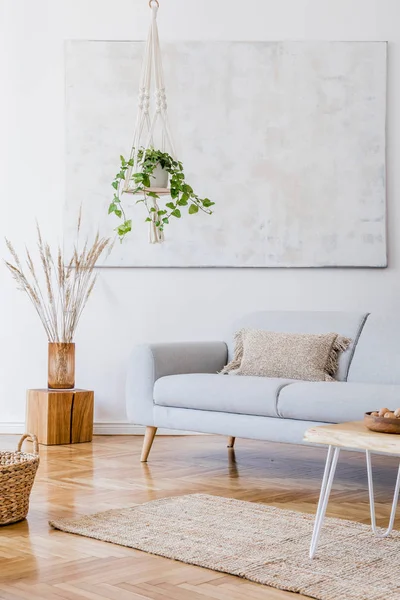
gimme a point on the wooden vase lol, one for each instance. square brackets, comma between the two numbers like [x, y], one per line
[61, 366]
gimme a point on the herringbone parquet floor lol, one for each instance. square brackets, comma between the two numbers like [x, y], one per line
[38, 563]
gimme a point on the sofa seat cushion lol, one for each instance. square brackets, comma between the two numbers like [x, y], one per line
[232, 394]
[335, 402]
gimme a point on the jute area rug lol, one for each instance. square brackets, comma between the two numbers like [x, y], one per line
[261, 543]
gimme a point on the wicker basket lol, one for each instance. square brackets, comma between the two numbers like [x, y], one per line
[17, 473]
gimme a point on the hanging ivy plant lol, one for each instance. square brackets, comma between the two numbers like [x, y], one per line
[180, 192]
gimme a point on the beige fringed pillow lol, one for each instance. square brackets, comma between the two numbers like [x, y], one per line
[306, 356]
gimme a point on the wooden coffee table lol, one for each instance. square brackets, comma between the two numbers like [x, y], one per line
[352, 435]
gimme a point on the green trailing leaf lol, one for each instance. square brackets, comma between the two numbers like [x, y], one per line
[206, 203]
[170, 205]
[193, 208]
[176, 213]
[115, 185]
[146, 180]
[118, 213]
[123, 229]
[187, 189]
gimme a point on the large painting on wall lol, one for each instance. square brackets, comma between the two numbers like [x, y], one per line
[287, 138]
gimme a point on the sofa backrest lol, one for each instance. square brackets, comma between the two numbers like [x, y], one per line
[349, 324]
[377, 355]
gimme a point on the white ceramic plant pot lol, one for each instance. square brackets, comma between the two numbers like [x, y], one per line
[159, 178]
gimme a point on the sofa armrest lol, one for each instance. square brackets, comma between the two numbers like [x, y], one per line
[149, 362]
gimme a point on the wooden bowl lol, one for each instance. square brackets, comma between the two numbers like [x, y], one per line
[381, 424]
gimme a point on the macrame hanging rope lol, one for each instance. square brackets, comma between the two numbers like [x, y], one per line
[153, 169]
[148, 120]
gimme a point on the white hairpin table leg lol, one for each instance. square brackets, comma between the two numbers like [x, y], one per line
[372, 499]
[326, 486]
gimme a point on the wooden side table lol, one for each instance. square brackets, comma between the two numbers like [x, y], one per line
[60, 416]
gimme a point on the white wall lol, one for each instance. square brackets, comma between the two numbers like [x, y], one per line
[128, 306]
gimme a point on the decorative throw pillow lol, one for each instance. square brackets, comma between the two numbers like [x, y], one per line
[306, 356]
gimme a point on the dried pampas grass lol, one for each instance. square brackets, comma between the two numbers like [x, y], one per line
[59, 288]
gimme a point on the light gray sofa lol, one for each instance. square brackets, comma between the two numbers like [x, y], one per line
[176, 386]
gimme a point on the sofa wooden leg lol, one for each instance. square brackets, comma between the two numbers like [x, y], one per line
[148, 442]
[231, 442]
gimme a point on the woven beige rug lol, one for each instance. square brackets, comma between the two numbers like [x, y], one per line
[261, 543]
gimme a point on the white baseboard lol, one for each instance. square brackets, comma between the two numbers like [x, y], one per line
[12, 428]
[117, 428]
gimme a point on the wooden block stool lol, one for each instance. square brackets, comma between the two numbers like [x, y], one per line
[60, 416]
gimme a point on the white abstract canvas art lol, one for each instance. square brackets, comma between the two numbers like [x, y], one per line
[287, 138]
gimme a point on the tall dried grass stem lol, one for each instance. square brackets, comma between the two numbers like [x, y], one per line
[59, 290]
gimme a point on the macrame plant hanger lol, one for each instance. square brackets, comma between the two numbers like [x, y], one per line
[152, 126]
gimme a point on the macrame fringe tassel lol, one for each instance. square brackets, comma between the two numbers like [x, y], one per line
[155, 235]
[236, 361]
[339, 345]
